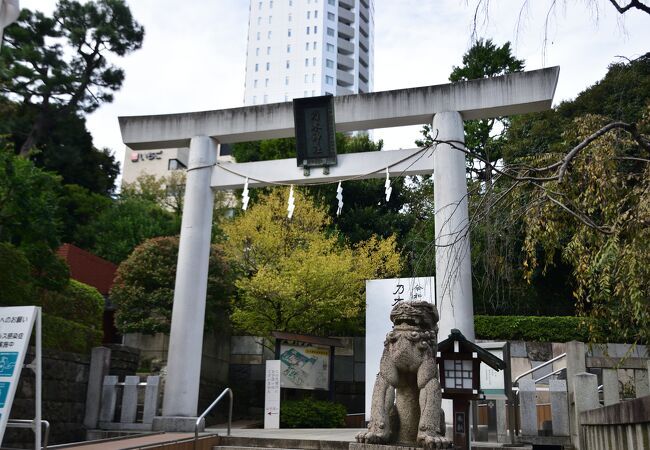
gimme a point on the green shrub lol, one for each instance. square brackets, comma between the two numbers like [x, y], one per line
[68, 336]
[78, 302]
[16, 279]
[309, 413]
[531, 328]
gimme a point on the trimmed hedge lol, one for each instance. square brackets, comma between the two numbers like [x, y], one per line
[78, 302]
[309, 413]
[531, 328]
[68, 336]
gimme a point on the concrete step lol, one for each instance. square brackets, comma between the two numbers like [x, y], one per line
[247, 443]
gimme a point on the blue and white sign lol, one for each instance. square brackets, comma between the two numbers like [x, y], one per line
[16, 324]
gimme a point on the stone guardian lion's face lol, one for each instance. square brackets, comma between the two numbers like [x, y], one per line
[414, 334]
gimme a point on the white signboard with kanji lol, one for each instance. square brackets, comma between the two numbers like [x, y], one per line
[381, 296]
[272, 394]
[16, 325]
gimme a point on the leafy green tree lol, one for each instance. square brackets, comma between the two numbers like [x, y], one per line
[48, 78]
[128, 222]
[16, 283]
[296, 274]
[143, 291]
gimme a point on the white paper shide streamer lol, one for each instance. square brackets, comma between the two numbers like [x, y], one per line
[339, 197]
[244, 196]
[292, 204]
[389, 188]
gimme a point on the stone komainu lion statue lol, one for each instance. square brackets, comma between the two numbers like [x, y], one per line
[406, 398]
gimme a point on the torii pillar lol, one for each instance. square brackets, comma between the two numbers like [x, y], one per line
[448, 104]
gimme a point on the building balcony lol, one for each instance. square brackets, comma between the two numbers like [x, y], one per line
[363, 87]
[344, 78]
[340, 90]
[345, 31]
[344, 62]
[363, 44]
[363, 28]
[345, 47]
[346, 16]
[363, 58]
[364, 4]
[363, 74]
[349, 4]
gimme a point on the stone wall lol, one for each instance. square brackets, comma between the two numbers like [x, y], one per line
[65, 382]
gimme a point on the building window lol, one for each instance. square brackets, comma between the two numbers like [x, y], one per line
[258, 35]
[266, 98]
[329, 64]
[288, 64]
[314, 46]
[329, 80]
[259, 20]
[313, 61]
[268, 50]
[271, 4]
[330, 31]
[289, 17]
[306, 62]
[254, 83]
[306, 78]
[308, 13]
[254, 99]
[270, 17]
[174, 164]
[286, 81]
[330, 48]
[307, 30]
[257, 51]
[306, 45]
[331, 2]
[268, 66]
[313, 77]
[288, 49]
[316, 14]
[257, 67]
[266, 82]
[259, 5]
[289, 32]
[315, 29]
[268, 35]
[286, 97]
[331, 16]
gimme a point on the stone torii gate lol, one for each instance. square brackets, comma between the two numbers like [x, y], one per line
[444, 106]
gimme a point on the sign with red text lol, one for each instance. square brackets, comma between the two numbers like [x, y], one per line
[16, 324]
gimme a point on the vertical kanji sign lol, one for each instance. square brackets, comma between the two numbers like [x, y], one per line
[16, 324]
[272, 395]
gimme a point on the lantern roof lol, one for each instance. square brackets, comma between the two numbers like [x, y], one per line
[466, 346]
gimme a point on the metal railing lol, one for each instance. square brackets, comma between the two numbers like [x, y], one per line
[209, 408]
[535, 369]
[27, 423]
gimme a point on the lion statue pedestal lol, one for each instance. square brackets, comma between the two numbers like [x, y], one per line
[406, 398]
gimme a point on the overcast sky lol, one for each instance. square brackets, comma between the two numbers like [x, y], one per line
[194, 51]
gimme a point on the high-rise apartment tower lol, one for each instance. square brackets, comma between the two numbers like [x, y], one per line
[303, 48]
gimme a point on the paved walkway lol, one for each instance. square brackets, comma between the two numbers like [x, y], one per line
[120, 443]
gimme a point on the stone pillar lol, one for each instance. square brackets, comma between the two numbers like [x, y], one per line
[585, 398]
[528, 407]
[109, 399]
[100, 363]
[559, 407]
[453, 265]
[130, 399]
[502, 412]
[575, 364]
[611, 394]
[150, 398]
[186, 336]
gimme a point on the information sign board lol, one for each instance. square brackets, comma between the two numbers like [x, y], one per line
[16, 323]
[304, 366]
[272, 394]
[493, 383]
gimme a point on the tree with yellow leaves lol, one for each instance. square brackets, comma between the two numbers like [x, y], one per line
[297, 276]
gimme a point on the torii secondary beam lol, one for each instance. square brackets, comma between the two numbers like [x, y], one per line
[517, 93]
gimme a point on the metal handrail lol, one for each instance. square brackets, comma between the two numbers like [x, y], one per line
[209, 408]
[28, 423]
[548, 375]
[535, 369]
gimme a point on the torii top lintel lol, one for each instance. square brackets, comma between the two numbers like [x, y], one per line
[515, 93]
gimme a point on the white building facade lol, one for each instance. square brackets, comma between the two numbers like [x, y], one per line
[305, 48]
